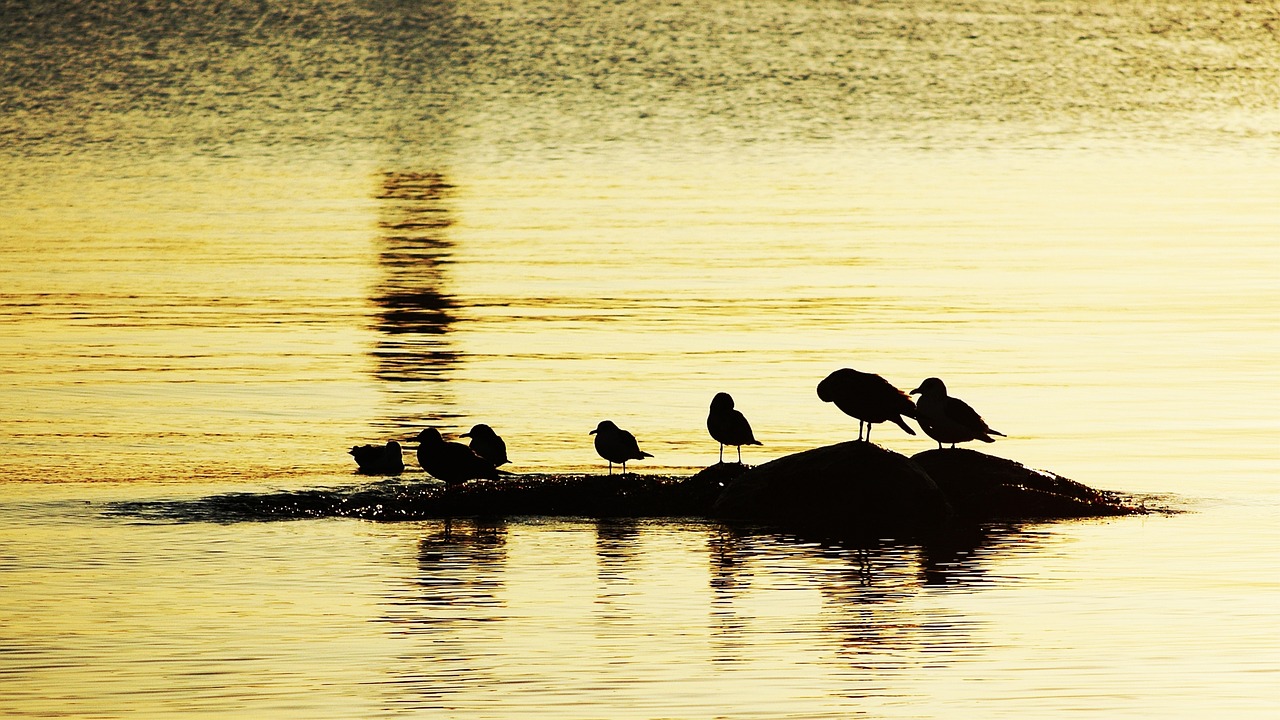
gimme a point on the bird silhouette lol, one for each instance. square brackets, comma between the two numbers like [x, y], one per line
[867, 397]
[948, 419]
[728, 426]
[378, 459]
[487, 444]
[616, 445]
[452, 462]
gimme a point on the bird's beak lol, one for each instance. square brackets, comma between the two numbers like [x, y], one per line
[465, 435]
[914, 392]
[593, 432]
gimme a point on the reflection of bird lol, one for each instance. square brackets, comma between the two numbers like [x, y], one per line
[616, 445]
[947, 419]
[486, 443]
[378, 460]
[867, 397]
[450, 461]
[728, 426]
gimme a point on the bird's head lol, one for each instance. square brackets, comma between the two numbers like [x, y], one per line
[722, 401]
[931, 386]
[429, 436]
[480, 430]
[831, 384]
[604, 426]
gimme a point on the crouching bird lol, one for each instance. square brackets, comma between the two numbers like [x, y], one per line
[867, 397]
[728, 426]
[452, 462]
[948, 419]
[616, 445]
[378, 459]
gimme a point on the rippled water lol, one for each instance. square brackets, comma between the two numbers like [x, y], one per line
[238, 238]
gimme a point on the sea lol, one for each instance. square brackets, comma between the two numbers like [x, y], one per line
[239, 237]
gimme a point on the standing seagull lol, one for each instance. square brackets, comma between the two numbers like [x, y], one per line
[452, 462]
[486, 443]
[728, 426]
[867, 397]
[947, 419]
[616, 445]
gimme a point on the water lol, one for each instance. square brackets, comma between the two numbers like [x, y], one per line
[239, 238]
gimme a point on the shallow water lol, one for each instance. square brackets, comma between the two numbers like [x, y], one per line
[238, 239]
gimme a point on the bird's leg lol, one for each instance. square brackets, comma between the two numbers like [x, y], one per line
[868, 432]
[739, 454]
[610, 466]
[624, 467]
[721, 453]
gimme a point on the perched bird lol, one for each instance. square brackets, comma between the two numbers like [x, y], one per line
[486, 443]
[947, 419]
[451, 462]
[867, 397]
[728, 426]
[616, 445]
[378, 459]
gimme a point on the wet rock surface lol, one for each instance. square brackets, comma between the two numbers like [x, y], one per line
[848, 489]
[986, 487]
[852, 487]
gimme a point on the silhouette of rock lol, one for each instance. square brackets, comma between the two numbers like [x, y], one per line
[986, 487]
[849, 490]
[852, 488]
[572, 495]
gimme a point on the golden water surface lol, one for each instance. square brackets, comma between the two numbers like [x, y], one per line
[238, 238]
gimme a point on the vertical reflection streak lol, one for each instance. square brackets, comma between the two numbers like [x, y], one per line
[414, 310]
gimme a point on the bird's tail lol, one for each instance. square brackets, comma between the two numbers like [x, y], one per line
[995, 432]
[755, 442]
[903, 424]
[644, 454]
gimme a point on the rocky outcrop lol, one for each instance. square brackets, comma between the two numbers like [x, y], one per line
[986, 487]
[850, 488]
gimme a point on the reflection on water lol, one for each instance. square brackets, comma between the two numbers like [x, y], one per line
[510, 617]
[452, 602]
[415, 309]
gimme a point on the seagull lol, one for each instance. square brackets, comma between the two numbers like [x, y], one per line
[947, 419]
[616, 445]
[728, 426]
[451, 462]
[378, 460]
[486, 443]
[867, 397]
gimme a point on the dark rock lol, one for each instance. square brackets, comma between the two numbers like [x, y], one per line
[854, 489]
[629, 495]
[851, 488]
[985, 487]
